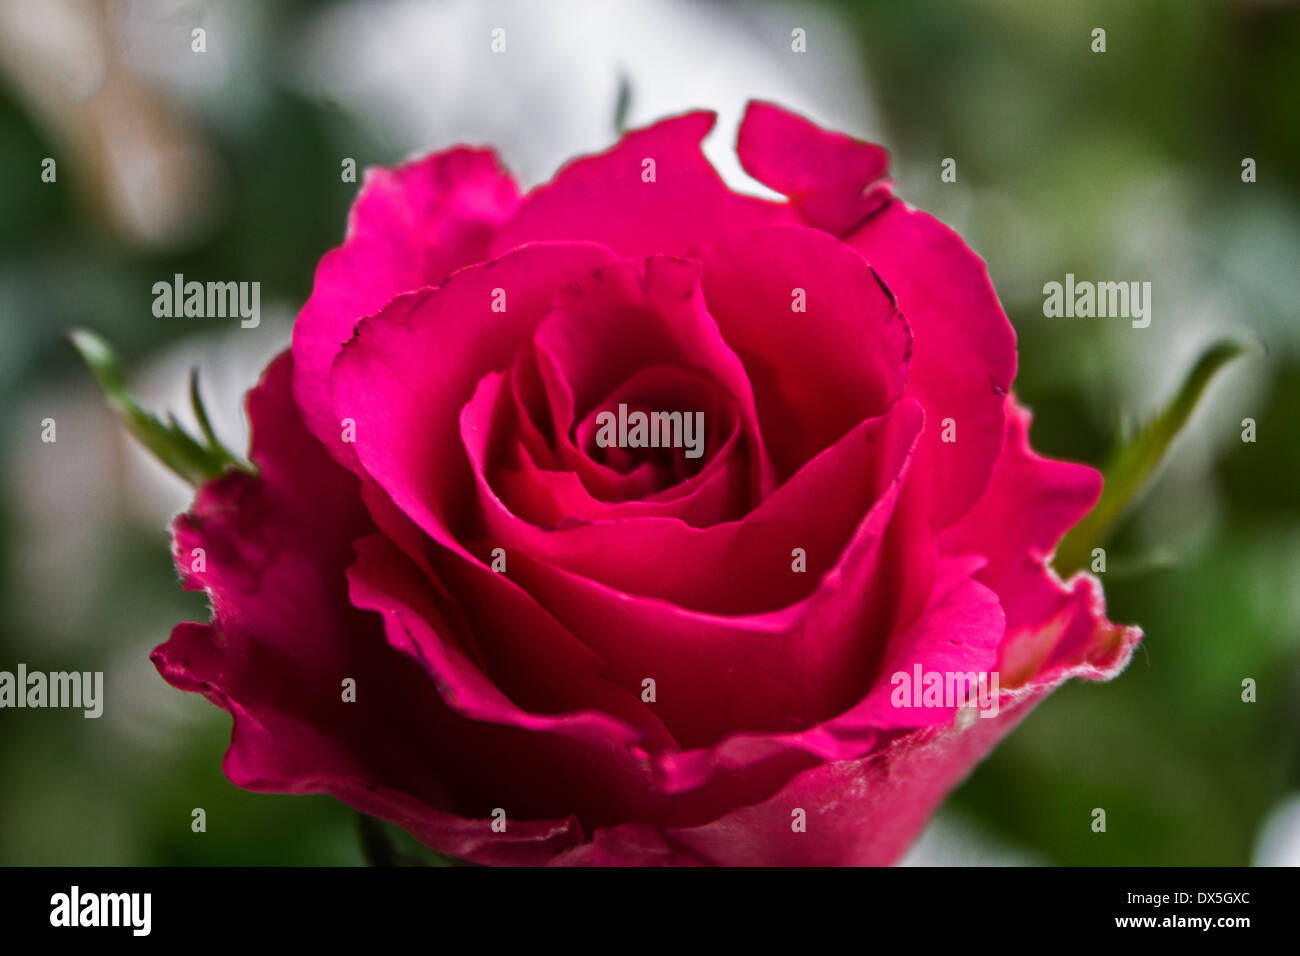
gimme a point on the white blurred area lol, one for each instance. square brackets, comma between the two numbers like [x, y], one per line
[1278, 840]
[425, 74]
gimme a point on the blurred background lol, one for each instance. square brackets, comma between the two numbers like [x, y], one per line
[225, 165]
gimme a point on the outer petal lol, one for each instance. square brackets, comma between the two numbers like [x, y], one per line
[410, 227]
[284, 638]
[593, 765]
[863, 812]
[963, 355]
[859, 812]
[607, 199]
[1029, 504]
[964, 350]
[823, 173]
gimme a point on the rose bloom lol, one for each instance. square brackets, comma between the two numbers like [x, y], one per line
[444, 601]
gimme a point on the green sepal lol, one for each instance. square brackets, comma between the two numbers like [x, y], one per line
[1137, 461]
[193, 460]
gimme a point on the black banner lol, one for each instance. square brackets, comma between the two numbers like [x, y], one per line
[939, 906]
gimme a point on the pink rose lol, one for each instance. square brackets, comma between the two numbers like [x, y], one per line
[457, 597]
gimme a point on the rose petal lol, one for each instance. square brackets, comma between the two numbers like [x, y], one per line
[851, 340]
[862, 812]
[284, 638]
[664, 558]
[960, 633]
[823, 173]
[605, 771]
[669, 388]
[1029, 504]
[964, 352]
[618, 321]
[406, 411]
[605, 199]
[410, 226]
[787, 667]
[549, 499]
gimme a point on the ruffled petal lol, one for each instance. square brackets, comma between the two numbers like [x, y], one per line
[866, 811]
[284, 639]
[826, 175]
[410, 227]
[607, 198]
[1029, 504]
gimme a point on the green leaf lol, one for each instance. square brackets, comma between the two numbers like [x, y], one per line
[194, 461]
[201, 413]
[1136, 463]
[623, 104]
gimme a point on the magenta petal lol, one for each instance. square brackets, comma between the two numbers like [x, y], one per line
[524, 652]
[960, 633]
[406, 408]
[861, 812]
[670, 561]
[535, 663]
[616, 323]
[284, 638]
[409, 227]
[719, 674]
[595, 763]
[663, 388]
[605, 198]
[1029, 504]
[850, 339]
[301, 741]
[824, 173]
[867, 811]
[553, 499]
[964, 350]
